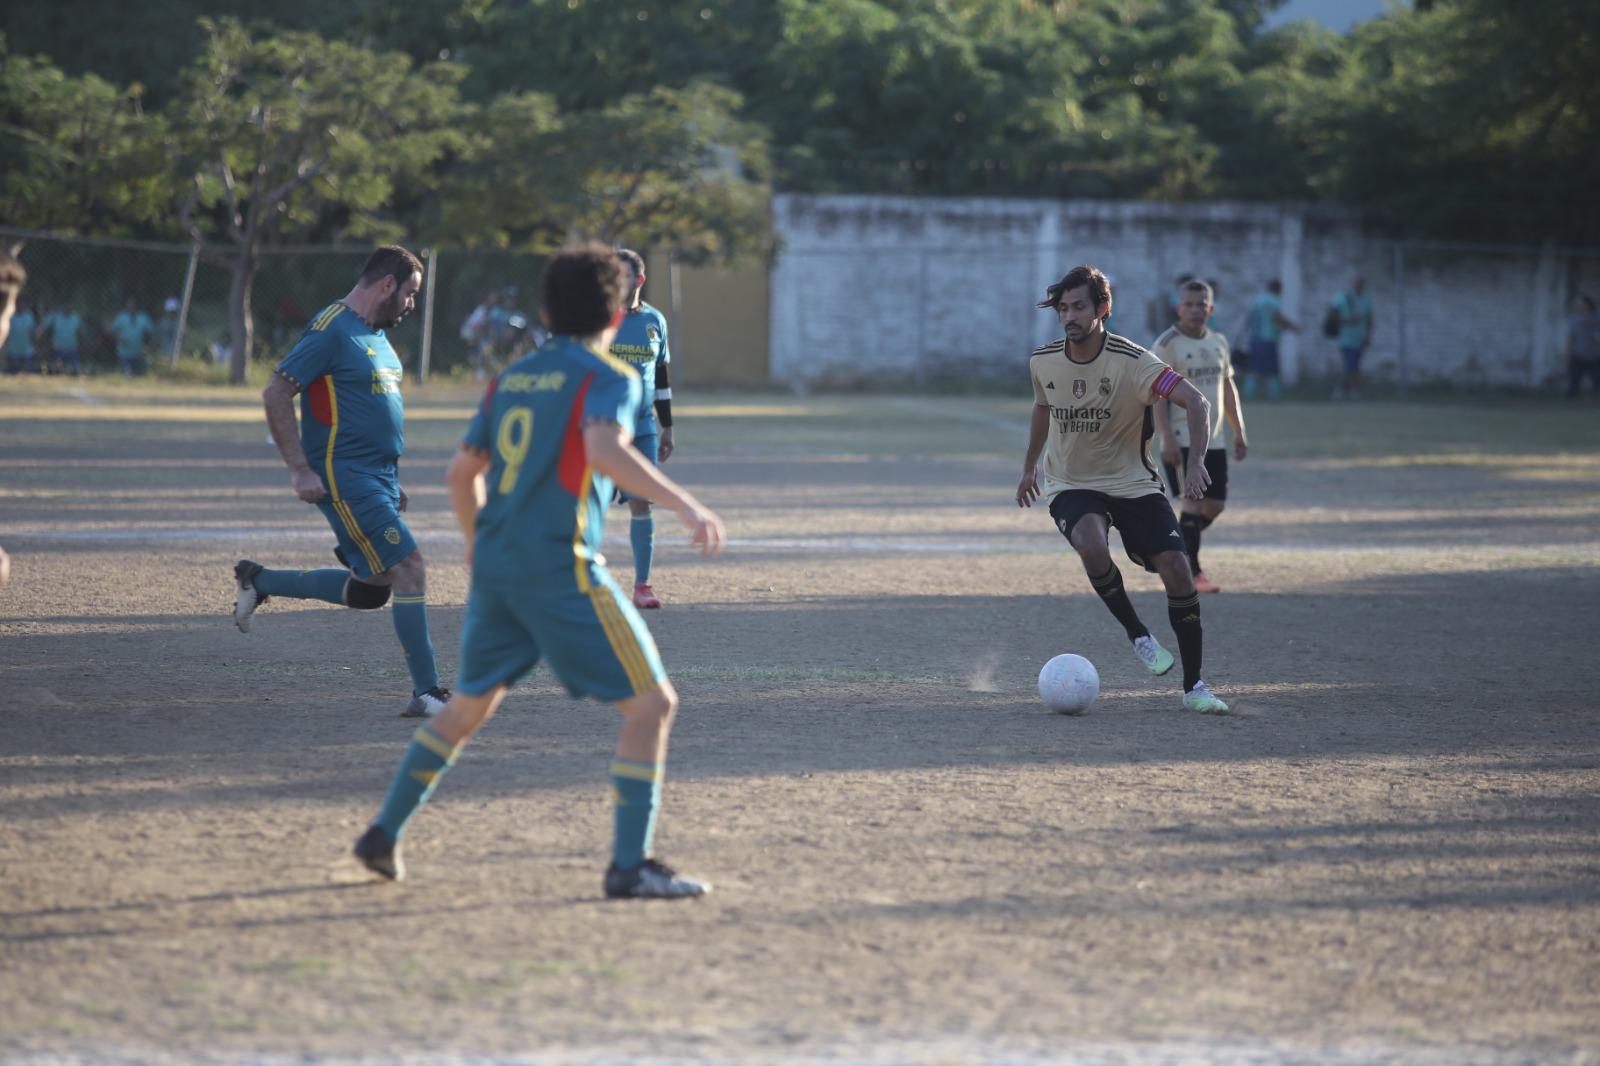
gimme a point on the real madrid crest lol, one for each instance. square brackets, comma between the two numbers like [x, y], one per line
[392, 535]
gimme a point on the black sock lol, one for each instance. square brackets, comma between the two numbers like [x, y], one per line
[1184, 613]
[1109, 586]
[1190, 525]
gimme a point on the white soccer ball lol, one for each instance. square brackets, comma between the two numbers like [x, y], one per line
[1068, 684]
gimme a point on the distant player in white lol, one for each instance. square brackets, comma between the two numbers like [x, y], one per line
[1092, 392]
[1203, 357]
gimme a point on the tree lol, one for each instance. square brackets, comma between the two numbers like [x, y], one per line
[1474, 118]
[290, 131]
[78, 154]
[668, 167]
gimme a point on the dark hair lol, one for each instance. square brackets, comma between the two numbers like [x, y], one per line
[633, 259]
[1196, 285]
[390, 260]
[1275, 286]
[12, 276]
[582, 289]
[1077, 278]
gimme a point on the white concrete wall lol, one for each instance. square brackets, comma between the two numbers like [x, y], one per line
[879, 289]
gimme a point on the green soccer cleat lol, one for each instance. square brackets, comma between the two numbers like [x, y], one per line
[1157, 660]
[1200, 699]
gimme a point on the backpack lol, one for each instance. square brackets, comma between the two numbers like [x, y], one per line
[1330, 322]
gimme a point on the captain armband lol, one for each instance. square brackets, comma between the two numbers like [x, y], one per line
[1165, 382]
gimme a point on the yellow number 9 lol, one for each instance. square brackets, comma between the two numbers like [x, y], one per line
[516, 434]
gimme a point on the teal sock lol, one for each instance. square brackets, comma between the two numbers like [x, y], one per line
[1274, 388]
[426, 759]
[643, 534]
[636, 791]
[325, 585]
[411, 626]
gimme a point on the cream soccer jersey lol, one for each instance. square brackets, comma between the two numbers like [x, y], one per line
[1100, 418]
[1207, 363]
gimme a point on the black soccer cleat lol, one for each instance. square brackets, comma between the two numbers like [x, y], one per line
[651, 880]
[380, 854]
[248, 599]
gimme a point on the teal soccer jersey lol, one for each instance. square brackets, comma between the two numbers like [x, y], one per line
[351, 416]
[545, 514]
[642, 343]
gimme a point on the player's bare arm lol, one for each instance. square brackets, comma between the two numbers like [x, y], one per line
[468, 491]
[278, 399]
[1197, 412]
[1038, 430]
[1233, 411]
[606, 445]
[1170, 453]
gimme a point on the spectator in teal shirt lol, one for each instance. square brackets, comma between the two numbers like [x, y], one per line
[1354, 308]
[1265, 323]
[20, 356]
[63, 325]
[132, 329]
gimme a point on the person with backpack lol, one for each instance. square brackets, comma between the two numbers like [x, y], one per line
[1349, 321]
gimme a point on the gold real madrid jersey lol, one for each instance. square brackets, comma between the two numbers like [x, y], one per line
[1207, 364]
[1100, 419]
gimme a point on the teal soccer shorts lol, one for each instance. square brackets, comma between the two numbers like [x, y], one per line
[595, 642]
[366, 519]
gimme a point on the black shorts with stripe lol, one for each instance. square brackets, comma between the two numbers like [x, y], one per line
[1216, 466]
[1146, 523]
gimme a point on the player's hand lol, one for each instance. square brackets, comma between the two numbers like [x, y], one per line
[1240, 450]
[404, 500]
[1170, 453]
[308, 486]
[664, 445]
[1197, 480]
[1028, 489]
[705, 528]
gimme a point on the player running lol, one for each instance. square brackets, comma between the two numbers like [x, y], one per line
[552, 434]
[1092, 392]
[642, 341]
[1206, 361]
[345, 459]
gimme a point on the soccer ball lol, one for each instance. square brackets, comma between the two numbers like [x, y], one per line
[1068, 684]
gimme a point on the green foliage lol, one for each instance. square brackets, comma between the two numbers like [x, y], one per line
[666, 167]
[1467, 118]
[78, 154]
[294, 132]
[1494, 108]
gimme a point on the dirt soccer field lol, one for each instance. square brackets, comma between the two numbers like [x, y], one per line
[1390, 853]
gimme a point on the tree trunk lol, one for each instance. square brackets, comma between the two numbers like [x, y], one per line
[241, 322]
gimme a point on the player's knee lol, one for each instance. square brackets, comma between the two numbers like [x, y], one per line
[364, 597]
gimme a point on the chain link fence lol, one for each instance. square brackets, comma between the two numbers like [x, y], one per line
[183, 292]
[1473, 316]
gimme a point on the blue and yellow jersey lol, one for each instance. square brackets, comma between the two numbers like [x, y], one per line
[642, 343]
[545, 515]
[351, 415]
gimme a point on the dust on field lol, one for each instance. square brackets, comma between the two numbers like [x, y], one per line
[1387, 854]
